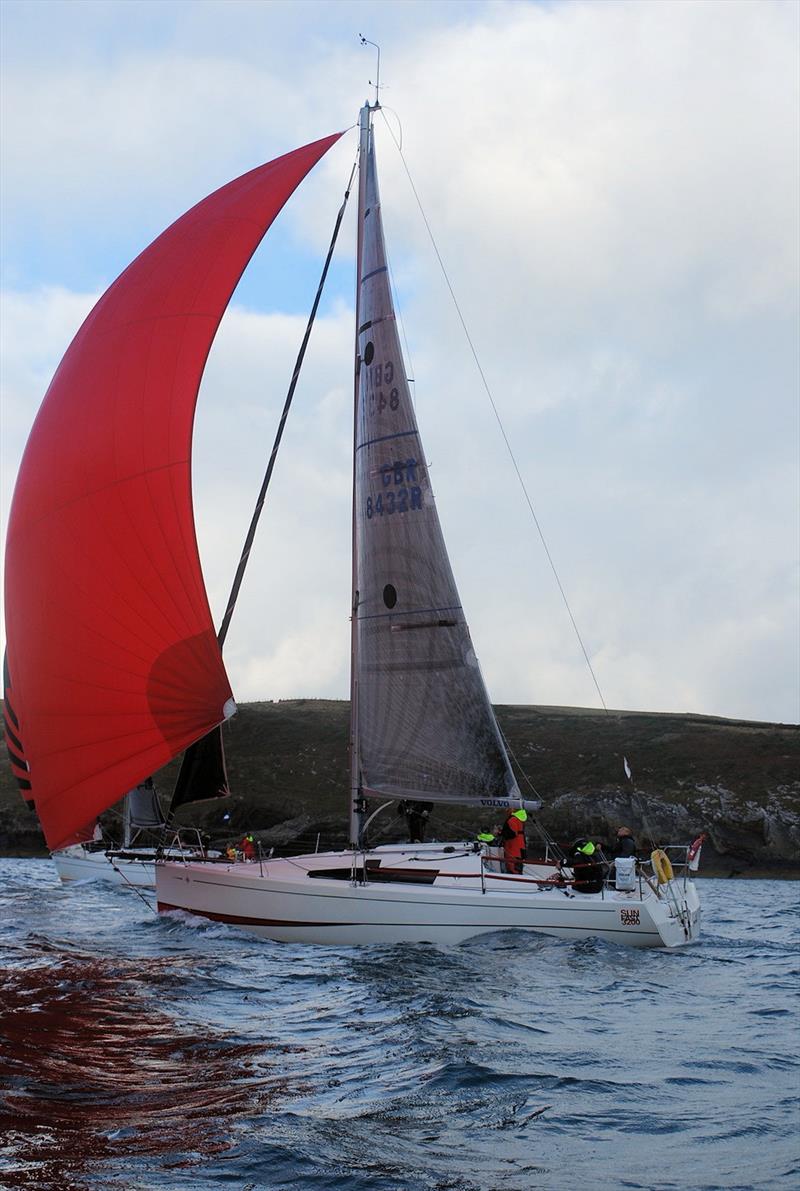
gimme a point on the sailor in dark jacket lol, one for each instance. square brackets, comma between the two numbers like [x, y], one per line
[587, 867]
[624, 876]
[417, 815]
[625, 844]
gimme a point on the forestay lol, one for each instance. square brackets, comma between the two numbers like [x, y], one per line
[425, 725]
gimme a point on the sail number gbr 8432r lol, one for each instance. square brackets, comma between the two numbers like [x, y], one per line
[400, 493]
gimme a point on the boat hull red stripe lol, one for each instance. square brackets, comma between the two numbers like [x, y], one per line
[239, 919]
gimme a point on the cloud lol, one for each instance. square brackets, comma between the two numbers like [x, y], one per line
[35, 331]
[614, 191]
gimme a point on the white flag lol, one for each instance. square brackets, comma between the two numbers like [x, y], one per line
[627, 768]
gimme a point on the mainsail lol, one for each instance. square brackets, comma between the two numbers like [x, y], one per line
[111, 647]
[426, 728]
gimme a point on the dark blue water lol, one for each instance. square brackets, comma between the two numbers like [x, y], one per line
[142, 1053]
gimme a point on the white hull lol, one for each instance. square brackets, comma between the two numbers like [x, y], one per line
[137, 867]
[280, 900]
[76, 863]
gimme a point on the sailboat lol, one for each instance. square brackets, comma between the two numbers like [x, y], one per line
[95, 859]
[122, 670]
[146, 837]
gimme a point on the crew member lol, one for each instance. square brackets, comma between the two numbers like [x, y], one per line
[248, 847]
[417, 815]
[625, 843]
[587, 867]
[513, 837]
[623, 871]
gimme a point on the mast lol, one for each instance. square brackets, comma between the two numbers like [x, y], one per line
[126, 821]
[357, 804]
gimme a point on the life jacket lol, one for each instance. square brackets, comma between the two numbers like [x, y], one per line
[513, 829]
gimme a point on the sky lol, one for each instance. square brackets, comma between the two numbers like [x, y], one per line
[613, 188]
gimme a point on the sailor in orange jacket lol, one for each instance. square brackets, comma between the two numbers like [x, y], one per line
[513, 837]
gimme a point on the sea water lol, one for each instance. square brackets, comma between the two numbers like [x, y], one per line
[141, 1051]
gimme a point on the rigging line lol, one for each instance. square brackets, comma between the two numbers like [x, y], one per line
[516, 760]
[120, 873]
[499, 420]
[399, 310]
[639, 800]
[398, 307]
[544, 834]
[512, 754]
[251, 533]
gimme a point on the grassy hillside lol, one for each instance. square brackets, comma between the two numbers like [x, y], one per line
[737, 780]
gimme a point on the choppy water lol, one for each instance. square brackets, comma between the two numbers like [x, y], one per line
[140, 1052]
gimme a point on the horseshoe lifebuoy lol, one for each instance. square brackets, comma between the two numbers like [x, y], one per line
[661, 866]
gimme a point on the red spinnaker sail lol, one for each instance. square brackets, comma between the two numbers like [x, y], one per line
[113, 661]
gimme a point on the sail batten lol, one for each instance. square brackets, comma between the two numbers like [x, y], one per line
[112, 652]
[426, 729]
